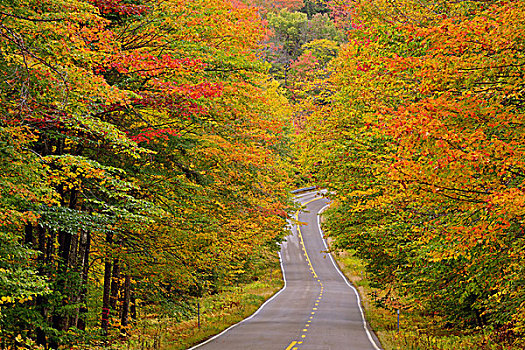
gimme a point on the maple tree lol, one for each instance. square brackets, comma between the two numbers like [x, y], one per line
[421, 145]
[142, 159]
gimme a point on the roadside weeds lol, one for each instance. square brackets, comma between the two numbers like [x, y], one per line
[416, 332]
[217, 312]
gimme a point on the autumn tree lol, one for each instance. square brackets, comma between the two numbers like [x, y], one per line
[291, 30]
[145, 161]
[266, 6]
[421, 146]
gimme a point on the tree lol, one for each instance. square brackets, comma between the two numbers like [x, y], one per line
[152, 167]
[293, 29]
[314, 7]
[422, 145]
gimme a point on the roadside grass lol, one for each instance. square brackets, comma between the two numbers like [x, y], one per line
[417, 332]
[217, 312]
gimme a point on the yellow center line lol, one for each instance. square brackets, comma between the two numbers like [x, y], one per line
[310, 265]
[302, 241]
[291, 345]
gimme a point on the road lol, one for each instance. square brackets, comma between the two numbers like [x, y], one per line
[316, 310]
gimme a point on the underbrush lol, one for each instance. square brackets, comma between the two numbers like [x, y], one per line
[158, 328]
[416, 331]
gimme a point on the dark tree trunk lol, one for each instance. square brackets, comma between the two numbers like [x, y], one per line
[133, 307]
[124, 320]
[83, 264]
[66, 238]
[65, 248]
[50, 244]
[40, 300]
[41, 337]
[106, 297]
[29, 239]
[73, 254]
[81, 324]
[41, 243]
[61, 321]
[115, 285]
[107, 289]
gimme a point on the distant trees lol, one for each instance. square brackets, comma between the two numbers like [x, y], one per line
[300, 45]
[292, 30]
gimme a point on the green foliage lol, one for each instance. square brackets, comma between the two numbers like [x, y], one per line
[292, 30]
[20, 286]
[323, 50]
[140, 159]
[314, 7]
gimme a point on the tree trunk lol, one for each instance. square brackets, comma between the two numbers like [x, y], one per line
[83, 264]
[115, 285]
[41, 300]
[29, 234]
[50, 246]
[107, 288]
[41, 244]
[133, 307]
[124, 320]
[106, 297]
[73, 254]
[66, 238]
[65, 247]
[81, 324]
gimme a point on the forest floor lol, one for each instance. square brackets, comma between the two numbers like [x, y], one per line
[218, 312]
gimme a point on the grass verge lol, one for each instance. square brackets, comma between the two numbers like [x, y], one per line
[217, 312]
[417, 332]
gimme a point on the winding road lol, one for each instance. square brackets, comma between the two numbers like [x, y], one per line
[316, 310]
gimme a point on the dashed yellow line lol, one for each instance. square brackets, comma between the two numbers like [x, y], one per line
[312, 270]
[292, 344]
[304, 249]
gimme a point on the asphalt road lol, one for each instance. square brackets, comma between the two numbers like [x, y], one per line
[316, 310]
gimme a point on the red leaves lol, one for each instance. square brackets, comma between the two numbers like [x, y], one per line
[365, 67]
[148, 64]
[115, 7]
[202, 90]
[150, 134]
[306, 62]
[161, 90]
[185, 98]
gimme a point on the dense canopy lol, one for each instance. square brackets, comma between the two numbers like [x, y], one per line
[422, 145]
[148, 147]
[143, 157]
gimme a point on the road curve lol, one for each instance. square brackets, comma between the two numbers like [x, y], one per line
[316, 310]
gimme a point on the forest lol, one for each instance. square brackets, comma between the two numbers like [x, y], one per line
[148, 149]
[418, 131]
